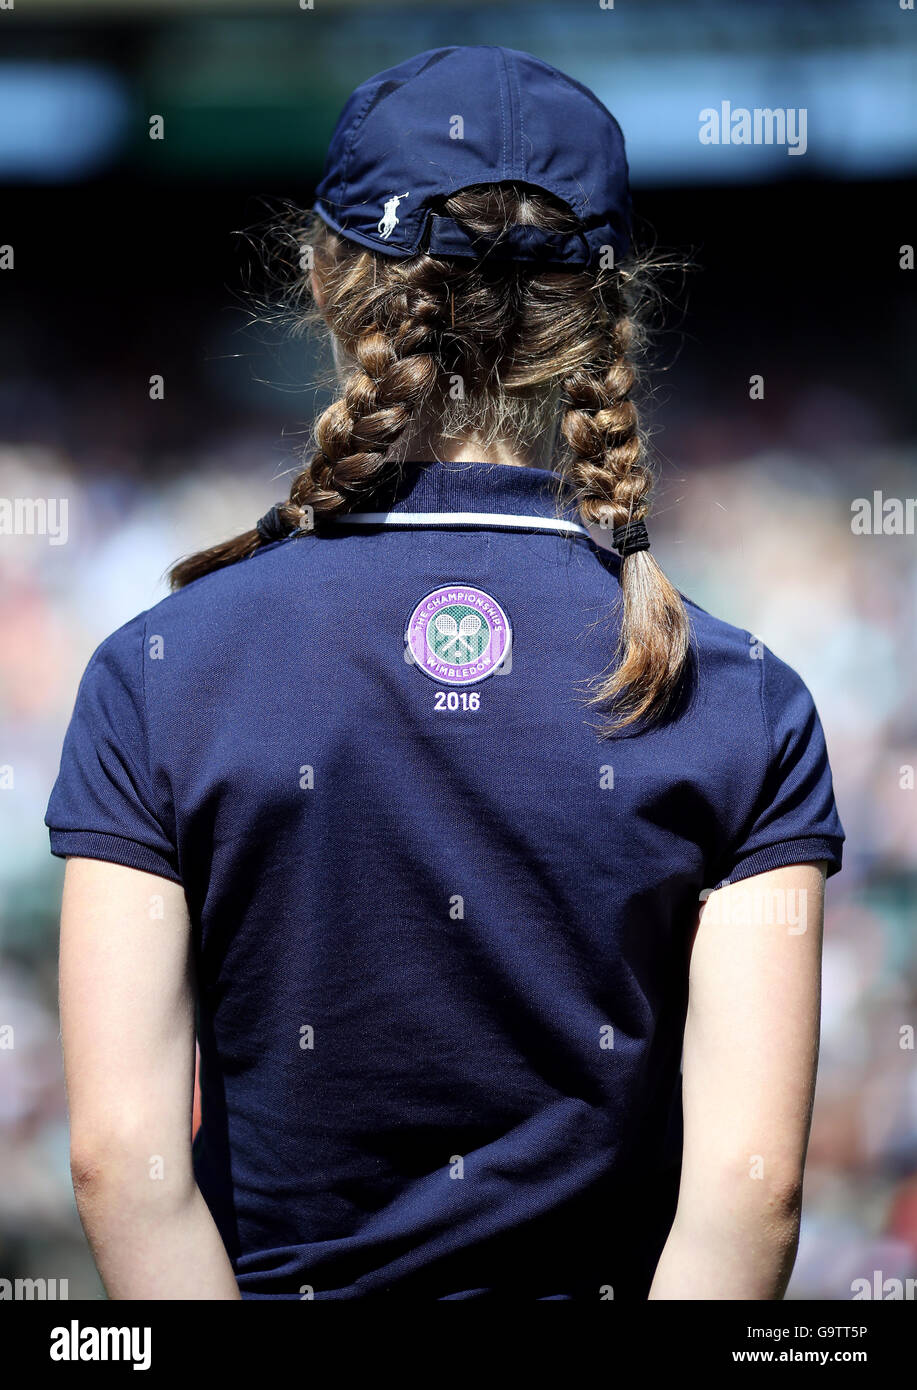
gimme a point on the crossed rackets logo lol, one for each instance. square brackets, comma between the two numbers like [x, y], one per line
[458, 639]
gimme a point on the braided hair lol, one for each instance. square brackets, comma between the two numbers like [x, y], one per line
[501, 350]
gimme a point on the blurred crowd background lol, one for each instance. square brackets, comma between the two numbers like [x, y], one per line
[135, 258]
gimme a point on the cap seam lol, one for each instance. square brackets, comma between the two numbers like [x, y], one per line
[509, 122]
[351, 140]
[504, 123]
[520, 163]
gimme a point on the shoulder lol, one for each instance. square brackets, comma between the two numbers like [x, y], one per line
[194, 622]
[727, 659]
[119, 654]
[715, 637]
[233, 599]
[269, 564]
[754, 694]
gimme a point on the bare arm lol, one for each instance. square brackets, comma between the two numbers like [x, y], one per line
[749, 1064]
[127, 1024]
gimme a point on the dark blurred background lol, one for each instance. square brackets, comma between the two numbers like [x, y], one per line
[133, 257]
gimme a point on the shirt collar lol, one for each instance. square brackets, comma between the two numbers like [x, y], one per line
[468, 494]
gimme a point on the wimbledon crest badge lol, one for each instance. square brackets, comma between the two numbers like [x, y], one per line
[458, 635]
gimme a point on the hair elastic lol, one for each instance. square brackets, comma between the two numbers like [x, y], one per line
[630, 538]
[273, 526]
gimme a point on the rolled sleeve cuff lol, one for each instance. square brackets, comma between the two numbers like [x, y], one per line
[803, 851]
[89, 844]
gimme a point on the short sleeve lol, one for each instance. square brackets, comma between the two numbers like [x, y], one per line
[794, 818]
[103, 804]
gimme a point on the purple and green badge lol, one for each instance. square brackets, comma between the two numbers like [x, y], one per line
[458, 635]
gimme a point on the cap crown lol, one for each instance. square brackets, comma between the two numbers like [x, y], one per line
[452, 117]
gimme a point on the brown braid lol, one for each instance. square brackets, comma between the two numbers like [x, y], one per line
[390, 378]
[611, 484]
[523, 344]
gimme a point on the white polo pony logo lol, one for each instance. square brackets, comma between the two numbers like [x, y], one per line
[389, 218]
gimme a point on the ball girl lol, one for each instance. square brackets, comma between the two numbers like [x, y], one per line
[484, 867]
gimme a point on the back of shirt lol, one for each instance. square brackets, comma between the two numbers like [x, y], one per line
[440, 924]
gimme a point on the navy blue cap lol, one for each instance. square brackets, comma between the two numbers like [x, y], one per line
[453, 117]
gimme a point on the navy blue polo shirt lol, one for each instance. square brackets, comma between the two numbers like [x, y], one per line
[440, 926]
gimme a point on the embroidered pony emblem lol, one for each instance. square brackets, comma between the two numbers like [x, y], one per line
[390, 219]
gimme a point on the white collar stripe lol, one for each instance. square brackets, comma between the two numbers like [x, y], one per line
[508, 520]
